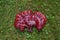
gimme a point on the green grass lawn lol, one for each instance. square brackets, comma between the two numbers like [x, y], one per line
[9, 8]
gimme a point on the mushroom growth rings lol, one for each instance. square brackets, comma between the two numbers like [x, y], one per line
[28, 19]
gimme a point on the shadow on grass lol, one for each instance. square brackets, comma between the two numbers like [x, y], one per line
[25, 32]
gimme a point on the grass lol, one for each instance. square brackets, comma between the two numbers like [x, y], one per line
[9, 8]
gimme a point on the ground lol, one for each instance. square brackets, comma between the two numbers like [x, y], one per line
[9, 8]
